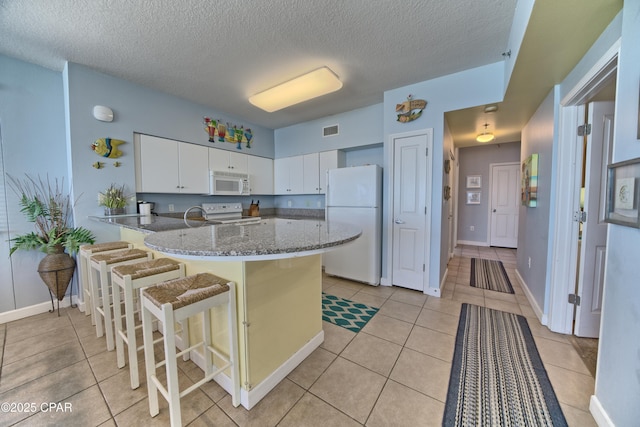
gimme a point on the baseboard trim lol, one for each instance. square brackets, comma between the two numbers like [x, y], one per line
[532, 301]
[598, 413]
[472, 243]
[32, 310]
[250, 398]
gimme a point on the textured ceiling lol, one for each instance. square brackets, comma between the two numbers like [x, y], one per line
[218, 53]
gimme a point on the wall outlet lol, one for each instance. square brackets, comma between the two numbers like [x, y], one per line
[319, 203]
[472, 228]
[529, 262]
[288, 203]
[171, 207]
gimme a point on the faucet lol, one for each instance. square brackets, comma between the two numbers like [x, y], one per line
[193, 207]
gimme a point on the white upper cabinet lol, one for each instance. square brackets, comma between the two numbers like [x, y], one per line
[306, 174]
[228, 161]
[168, 166]
[261, 175]
[288, 175]
[311, 174]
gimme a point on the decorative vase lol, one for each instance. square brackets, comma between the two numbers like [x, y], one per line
[114, 211]
[56, 270]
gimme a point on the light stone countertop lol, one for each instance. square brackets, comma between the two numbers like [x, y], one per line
[271, 238]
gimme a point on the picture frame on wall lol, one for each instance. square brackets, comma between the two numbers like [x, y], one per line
[623, 193]
[473, 197]
[529, 177]
[474, 181]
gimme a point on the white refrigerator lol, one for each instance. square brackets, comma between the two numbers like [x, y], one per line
[354, 196]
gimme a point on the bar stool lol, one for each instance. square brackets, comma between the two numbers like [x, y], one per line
[100, 278]
[177, 300]
[128, 279]
[85, 253]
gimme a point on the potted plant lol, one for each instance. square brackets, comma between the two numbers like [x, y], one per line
[48, 206]
[114, 200]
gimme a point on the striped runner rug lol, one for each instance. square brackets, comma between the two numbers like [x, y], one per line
[497, 376]
[490, 274]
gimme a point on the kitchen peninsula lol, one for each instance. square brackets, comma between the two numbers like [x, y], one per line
[277, 267]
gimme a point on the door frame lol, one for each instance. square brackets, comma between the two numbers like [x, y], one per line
[567, 198]
[388, 212]
[491, 166]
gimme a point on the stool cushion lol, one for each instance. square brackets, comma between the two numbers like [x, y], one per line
[146, 268]
[187, 290]
[107, 246]
[120, 256]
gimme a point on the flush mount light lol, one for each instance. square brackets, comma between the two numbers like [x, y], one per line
[485, 136]
[308, 86]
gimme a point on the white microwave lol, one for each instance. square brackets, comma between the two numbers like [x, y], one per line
[228, 183]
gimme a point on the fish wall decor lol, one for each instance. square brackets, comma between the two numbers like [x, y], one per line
[107, 147]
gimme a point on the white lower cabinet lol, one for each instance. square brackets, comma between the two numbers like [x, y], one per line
[169, 166]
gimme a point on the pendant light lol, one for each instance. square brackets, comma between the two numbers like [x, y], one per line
[485, 136]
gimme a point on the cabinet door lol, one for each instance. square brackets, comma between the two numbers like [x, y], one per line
[159, 165]
[296, 175]
[238, 162]
[281, 175]
[261, 174]
[333, 159]
[194, 168]
[218, 159]
[310, 178]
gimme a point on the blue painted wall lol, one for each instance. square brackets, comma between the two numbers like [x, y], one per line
[33, 142]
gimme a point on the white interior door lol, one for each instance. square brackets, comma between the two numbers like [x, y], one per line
[409, 211]
[505, 205]
[593, 246]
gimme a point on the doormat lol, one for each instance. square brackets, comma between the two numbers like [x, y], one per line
[497, 376]
[346, 313]
[491, 275]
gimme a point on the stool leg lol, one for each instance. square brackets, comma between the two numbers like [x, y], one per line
[233, 346]
[84, 281]
[106, 306]
[96, 291]
[117, 317]
[206, 337]
[132, 344]
[173, 387]
[186, 341]
[149, 360]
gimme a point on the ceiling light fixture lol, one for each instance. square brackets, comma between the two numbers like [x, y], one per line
[485, 136]
[308, 86]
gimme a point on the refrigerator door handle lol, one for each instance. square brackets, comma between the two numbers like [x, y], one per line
[399, 221]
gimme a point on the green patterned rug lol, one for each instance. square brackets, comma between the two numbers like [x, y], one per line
[346, 313]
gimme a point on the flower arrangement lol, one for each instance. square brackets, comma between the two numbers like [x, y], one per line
[113, 197]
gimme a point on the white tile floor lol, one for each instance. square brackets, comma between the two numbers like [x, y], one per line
[394, 372]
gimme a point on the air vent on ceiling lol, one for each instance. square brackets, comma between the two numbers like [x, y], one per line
[330, 130]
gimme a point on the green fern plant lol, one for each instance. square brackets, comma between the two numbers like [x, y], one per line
[48, 206]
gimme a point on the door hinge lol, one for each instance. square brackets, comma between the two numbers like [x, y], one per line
[574, 299]
[427, 152]
[584, 129]
[423, 267]
[425, 210]
[580, 216]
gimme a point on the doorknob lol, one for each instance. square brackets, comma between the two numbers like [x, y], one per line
[399, 221]
[494, 210]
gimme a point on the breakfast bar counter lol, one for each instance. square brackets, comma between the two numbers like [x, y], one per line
[277, 267]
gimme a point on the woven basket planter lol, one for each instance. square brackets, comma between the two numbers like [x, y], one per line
[56, 270]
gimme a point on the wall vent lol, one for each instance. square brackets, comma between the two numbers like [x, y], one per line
[330, 130]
